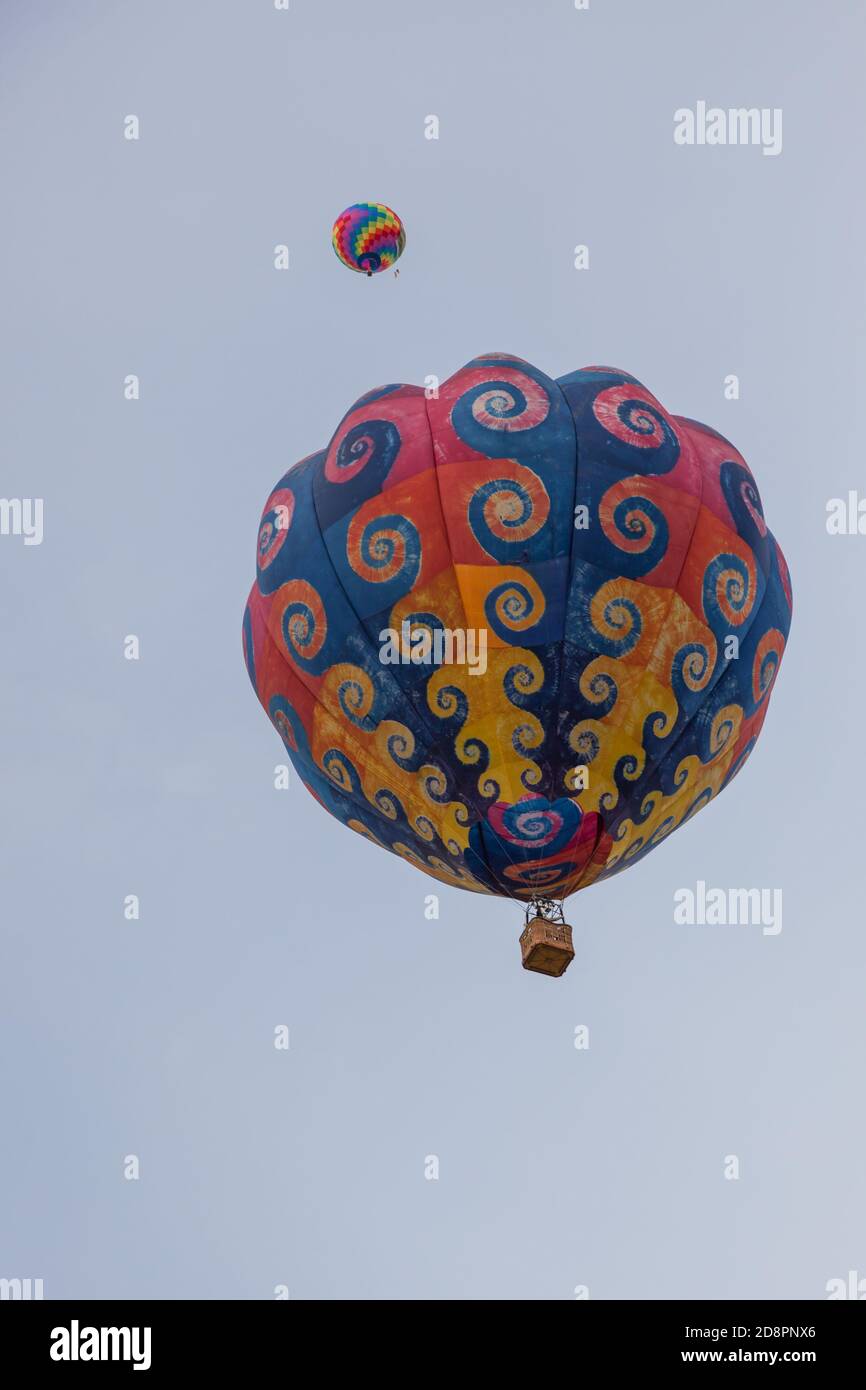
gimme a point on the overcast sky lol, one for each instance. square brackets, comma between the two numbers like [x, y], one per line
[559, 1168]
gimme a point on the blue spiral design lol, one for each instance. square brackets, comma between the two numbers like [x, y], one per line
[370, 441]
[744, 503]
[300, 637]
[354, 468]
[691, 674]
[517, 604]
[342, 772]
[352, 697]
[519, 684]
[379, 550]
[620, 612]
[637, 518]
[737, 596]
[502, 417]
[503, 547]
[287, 723]
[451, 704]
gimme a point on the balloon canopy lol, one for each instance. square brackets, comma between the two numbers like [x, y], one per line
[517, 631]
[368, 237]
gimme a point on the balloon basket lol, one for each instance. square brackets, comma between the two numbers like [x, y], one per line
[545, 942]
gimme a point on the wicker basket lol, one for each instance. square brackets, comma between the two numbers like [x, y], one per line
[546, 946]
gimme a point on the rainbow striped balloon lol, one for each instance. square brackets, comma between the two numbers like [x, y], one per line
[368, 237]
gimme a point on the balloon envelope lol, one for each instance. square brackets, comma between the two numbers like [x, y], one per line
[368, 237]
[621, 604]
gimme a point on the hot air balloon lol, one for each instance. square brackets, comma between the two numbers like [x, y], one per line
[368, 237]
[520, 632]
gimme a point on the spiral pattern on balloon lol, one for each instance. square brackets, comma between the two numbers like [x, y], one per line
[388, 803]
[384, 549]
[535, 876]
[303, 625]
[369, 441]
[724, 727]
[525, 738]
[617, 619]
[356, 694]
[472, 751]
[629, 767]
[647, 806]
[283, 718]
[514, 402]
[514, 606]
[765, 664]
[585, 743]
[631, 415]
[504, 512]
[435, 784]
[743, 498]
[401, 747]
[634, 524]
[752, 502]
[682, 773]
[274, 526]
[598, 687]
[448, 702]
[487, 786]
[522, 680]
[530, 825]
[425, 828]
[692, 667]
[660, 723]
[341, 770]
[729, 590]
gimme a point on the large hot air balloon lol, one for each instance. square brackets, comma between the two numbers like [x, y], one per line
[622, 609]
[368, 237]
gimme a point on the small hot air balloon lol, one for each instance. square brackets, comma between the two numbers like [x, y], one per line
[518, 634]
[368, 237]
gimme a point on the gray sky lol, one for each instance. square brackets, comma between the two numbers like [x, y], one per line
[558, 1167]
